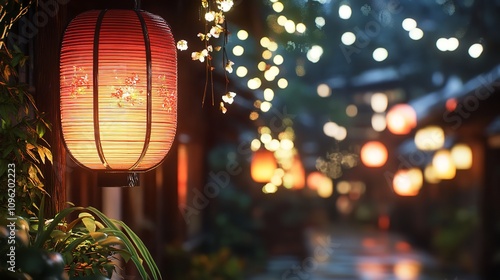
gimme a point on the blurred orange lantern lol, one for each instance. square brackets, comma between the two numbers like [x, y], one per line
[462, 156]
[430, 175]
[401, 119]
[263, 166]
[373, 154]
[298, 173]
[314, 180]
[407, 182]
[429, 138]
[443, 165]
[321, 183]
[118, 94]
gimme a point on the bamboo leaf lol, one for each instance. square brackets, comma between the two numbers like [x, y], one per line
[47, 153]
[41, 154]
[88, 221]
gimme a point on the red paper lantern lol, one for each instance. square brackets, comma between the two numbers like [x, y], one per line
[118, 90]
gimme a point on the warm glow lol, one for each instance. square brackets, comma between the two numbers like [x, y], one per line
[265, 106]
[443, 165]
[323, 90]
[380, 54]
[264, 42]
[409, 24]
[282, 83]
[267, 54]
[348, 38]
[403, 185]
[241, 71]
[416, 178]
[373, 154]
[416, 34]
[345, 12]
[379, 102]
[320, 22]
[238, 50]
[451, 104]
[430, 175]
[314, 53]
[182, 174]
[301, 28]
[401, 119]
[378, 122]
[462, 156]
[351, 110]
[429, 138]
[290, 26]
[341, 133]
[278, 59]
[325, 190]
[407, 270]
[242, 34]
[269, 188]
[384, 222]
[343, 187]
[255, 145]
[127, 120]
[475, 50]
[321, 183]
[278, 7]
[298, 173]
[314, 179]
[330, 129]
[272, 145]
[262, 166]
[254, 83]
[268, 94]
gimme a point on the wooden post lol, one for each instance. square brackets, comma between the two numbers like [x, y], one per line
[47, 35]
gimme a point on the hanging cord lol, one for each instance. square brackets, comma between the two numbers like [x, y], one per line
[137, 4]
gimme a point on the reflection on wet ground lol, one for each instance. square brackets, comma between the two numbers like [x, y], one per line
[345, 253]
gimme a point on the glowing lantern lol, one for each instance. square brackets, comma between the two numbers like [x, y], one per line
[314, 180]
[443, 165]
[429, 138]
[430, 175]
[325, 190]
[118, 94]
[416, 178]
[462, 156]
[401, 119]
[321, 183]
[404, 185]
[298, 173]
[263, 166]
[373, 154]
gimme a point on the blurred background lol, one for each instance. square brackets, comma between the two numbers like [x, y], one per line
[363, 142]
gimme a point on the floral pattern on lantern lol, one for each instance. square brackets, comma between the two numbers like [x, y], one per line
[118, 90]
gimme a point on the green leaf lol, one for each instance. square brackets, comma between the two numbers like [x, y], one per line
[88, 220]
[111, 241]
[40, 129]
[97, 235]
[58, 235]
[7, 150]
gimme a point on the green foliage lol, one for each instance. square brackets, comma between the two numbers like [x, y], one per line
[90, 245]
[21, 137]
